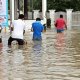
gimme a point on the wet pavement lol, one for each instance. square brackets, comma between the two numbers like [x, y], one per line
[57, 57]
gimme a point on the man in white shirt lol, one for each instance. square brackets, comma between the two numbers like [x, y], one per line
[18, 28]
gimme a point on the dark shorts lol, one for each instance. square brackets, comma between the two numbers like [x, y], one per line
[60, 30]
[20, 41]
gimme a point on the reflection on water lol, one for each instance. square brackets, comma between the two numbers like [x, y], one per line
[60, 43]
[56, 57]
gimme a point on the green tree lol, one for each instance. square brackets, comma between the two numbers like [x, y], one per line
[58, 5]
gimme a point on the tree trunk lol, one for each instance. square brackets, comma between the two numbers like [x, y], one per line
[25, 9]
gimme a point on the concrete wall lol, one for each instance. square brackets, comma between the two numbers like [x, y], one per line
[28, 23]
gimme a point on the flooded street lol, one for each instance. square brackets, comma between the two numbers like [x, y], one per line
[57, 57]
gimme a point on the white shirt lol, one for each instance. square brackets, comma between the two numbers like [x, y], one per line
[18, 28]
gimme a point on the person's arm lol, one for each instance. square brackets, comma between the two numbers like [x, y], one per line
[55, 23]
[65, 25]
[42, 29]
[23, 32]
[24, 28]
[11, 27]
[31, 29]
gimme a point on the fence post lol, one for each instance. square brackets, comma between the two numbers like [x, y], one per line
[69, 18]
[36, 13]
[52, 17]
[44, 9]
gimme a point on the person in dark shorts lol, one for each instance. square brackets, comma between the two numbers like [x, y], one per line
[18, 28]
[60, 24]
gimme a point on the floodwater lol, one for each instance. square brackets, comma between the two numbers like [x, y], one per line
[57, 57]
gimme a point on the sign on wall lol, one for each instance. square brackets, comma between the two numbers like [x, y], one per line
[4, 13]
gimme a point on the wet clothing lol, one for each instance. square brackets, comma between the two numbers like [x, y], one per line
[19, 27]
[60, 30]
[60, 24]
[17, 33]
[20, 41]
[37, 29]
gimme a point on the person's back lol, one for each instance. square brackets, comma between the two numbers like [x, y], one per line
[19, 27]
[37, 28]
[60, 24]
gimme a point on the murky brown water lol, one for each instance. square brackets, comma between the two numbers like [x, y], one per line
[57, 57]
